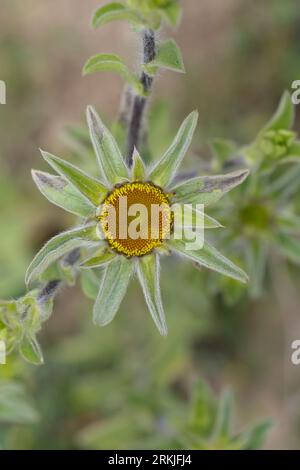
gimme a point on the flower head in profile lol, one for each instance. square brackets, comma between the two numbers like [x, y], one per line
[119, 230]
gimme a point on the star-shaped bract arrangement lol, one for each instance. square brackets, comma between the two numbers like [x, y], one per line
[87, 197]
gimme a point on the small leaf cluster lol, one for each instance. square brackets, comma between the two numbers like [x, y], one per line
[276, 143]
[140, 13]
[265, 221]
[143, 15]
[210, 424]
[20, 321]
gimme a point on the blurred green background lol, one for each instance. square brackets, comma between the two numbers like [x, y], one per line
[124, 386]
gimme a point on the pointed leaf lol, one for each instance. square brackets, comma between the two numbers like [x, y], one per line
[164, 171]
[256, 262]
[58, 246]
[91, 188]
[138, 167]
[113, 63]
[148, 273]
[289, 247]
[113, 12]
[107, 151]
[203, 412]
[224, 416]
[193, 218]
[99, 260]
[112, 290]
[172, 13]
[168, 57]
[257, 435]
[208, 189]
[89, 283]
[284, 115]
[31, 350]
[210, 258]
[68, 272]
[63, 194]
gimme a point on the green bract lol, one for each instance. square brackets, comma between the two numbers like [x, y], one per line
[168, 57]
[84, 195]
[276, 142]
[140, 13]
[210, 425]
[267, 217]
[113, 63]
[20, 321]
[147, 16]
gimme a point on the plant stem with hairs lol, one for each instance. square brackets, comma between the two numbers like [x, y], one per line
[139, 102]
[51, 288]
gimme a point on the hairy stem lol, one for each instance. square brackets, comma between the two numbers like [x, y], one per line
[51, 288]
[125, 107]
[139, 102]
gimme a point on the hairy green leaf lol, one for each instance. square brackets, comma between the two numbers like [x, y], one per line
[203, 411]
[210, 258]
[57, 247]
[193, 218]
[99, 260]
[148, 274]
[91, 188]
[113, 63]
[224, 415]
[31, 350]
[207, 189]
[89, 283]
[164, 170]
[138, 167]
[284, 115]
[107, 151]
[63, 194]
[113, 12]
[257, 435]
[256, 261]
[112, 290]
[168, 57]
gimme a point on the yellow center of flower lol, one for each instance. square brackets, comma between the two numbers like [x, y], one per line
[136, 218]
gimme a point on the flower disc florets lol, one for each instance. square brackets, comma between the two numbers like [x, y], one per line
[136, 218]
